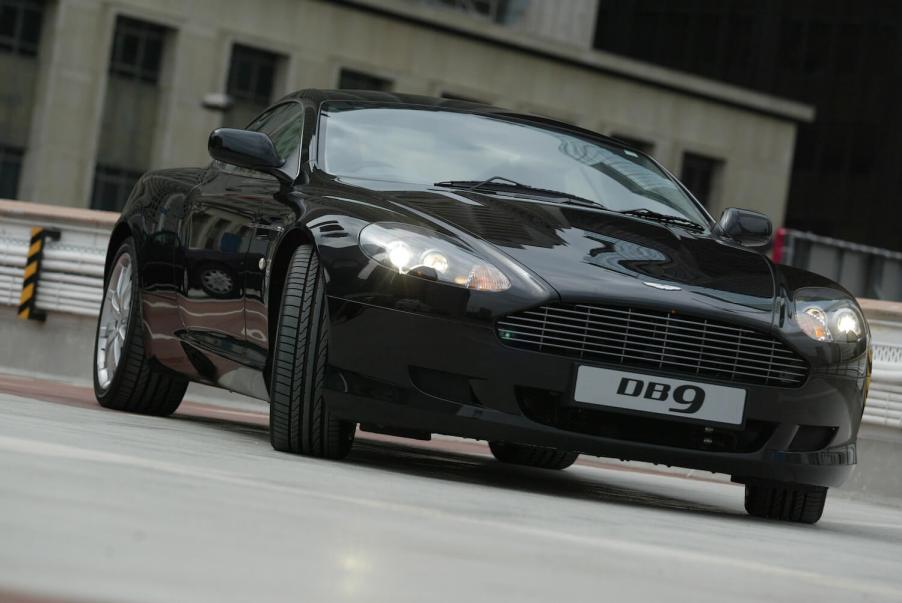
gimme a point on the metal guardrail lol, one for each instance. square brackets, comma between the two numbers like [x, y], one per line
[884, 405]
[71, 271]
[72, 281]
[866, 271]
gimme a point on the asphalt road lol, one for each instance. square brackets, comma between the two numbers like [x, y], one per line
[103, 506]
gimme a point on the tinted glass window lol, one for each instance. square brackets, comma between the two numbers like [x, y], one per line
[20, 26]
[273, 119]
[424, 146]
[112, 186]
[288, 138]
[10, 167]
[284, 124]
[699, 175]
[137, 50]
[252, 74]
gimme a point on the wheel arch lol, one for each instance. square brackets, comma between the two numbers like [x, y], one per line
[278, 271]
[121, 232]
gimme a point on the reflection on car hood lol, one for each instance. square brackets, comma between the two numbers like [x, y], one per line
[583, 252]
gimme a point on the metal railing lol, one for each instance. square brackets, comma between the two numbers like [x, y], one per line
[71, 271]
[867, 272]
[884, 406]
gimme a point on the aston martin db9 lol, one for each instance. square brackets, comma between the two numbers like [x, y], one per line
[414, 266]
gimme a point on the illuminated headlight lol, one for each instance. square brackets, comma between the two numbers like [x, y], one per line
[427, 254]
[829, 320]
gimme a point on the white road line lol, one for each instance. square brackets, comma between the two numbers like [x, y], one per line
[613, 545]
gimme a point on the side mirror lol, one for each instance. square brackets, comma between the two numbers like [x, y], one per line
[243, 148]
[748, 228]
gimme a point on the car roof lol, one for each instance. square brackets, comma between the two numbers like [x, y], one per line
[318, 96]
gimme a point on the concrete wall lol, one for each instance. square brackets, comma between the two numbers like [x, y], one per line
[752, 133]
[62, 347]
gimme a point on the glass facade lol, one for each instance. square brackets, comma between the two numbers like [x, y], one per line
[844, 58]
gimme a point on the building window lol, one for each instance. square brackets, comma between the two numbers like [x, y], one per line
[137, 50]
[349, 79]
[10, 166]
[252, 74]
[701, 176]
[112, 186]
[642, 145]
[20, 26]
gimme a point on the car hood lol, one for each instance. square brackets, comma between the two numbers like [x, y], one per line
[587, 254]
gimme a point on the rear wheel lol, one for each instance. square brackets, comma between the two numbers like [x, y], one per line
[532, 456]
[787, 502]
[299, 420]
[124, 378]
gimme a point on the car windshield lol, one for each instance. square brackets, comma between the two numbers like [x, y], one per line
[425, 146]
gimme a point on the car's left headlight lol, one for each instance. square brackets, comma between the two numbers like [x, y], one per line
[829, 319]
[427, 254]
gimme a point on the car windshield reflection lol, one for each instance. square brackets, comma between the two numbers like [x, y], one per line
[423, 146]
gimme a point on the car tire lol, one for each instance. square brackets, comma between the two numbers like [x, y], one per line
[127, 380]
[299, 420]
[532, 456]
[786, 502]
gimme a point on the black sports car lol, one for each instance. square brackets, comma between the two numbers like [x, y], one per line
[417, 266]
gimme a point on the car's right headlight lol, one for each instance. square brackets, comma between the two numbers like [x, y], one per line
[828, 318]
[427, 254]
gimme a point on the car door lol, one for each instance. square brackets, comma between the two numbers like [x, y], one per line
[276, 210]
[218, 228]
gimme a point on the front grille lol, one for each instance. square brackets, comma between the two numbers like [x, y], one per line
[655, 339]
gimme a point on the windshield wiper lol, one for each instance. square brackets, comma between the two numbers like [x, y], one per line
[664, 218]
[500, 183]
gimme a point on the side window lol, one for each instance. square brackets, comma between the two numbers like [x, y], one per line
[289, 137]
[283, 124]
[271, 120]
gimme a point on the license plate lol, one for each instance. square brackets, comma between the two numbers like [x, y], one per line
[660, 395]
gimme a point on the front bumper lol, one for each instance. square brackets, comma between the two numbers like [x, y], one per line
[417, 373]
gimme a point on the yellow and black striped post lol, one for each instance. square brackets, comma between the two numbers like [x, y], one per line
[27, 308]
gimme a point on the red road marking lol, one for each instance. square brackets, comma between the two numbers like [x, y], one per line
[7, 596]
[83, 396]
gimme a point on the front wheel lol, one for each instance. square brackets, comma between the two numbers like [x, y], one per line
[299, 420]
[787, 502]
[124, 378]
[532, 456]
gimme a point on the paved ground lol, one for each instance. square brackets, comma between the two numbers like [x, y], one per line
[103, 506]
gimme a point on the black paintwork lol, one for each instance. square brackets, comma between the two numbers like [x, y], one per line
[409, 353]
